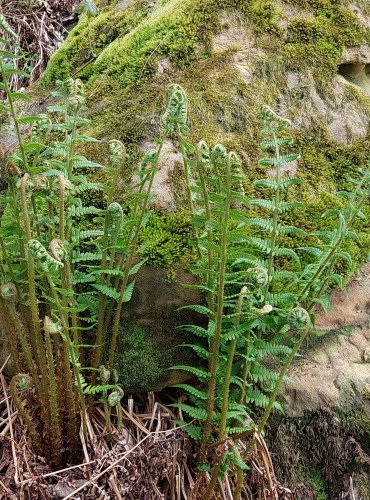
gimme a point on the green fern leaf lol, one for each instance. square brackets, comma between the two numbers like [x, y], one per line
[193, 391]
[192, 411]
[128, 292]
[107, 291]
[200, 373]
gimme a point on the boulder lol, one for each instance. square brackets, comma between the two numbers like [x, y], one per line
[335, 372]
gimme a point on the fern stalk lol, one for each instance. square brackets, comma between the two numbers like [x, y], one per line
[270, 262]
[67, 360]
[229, 366]
[128, 262]
[10, 337]
[207, 207]
[222, 434]
[216, 340]
[103, 317]
[35, 333]
[14, 115]
[20, 378]
[55, 430]
[22, 337]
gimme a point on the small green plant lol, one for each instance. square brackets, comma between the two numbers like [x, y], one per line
[316, 481]
[89, 8]
[255, 310]
[66, 269]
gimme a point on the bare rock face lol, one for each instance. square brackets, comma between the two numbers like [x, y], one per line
[345, 118]
[336, 373]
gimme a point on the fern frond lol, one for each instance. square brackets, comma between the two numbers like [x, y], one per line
[192, 391]
[200, 373]
[192, 411]
[106, 290]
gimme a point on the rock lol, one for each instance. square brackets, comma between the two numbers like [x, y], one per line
[170, 167]
[231, 59]
[337, 373]
[123, 5]
[150, 342]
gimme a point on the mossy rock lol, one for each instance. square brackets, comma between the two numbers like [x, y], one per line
[232, 57]
[150, 342]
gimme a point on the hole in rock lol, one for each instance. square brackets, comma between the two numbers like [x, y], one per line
[358, 74]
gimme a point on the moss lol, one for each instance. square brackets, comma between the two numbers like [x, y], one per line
[165, 239]
[315, 479]
[318, 43]
[138, 352]
[75, 55]
[145, 355]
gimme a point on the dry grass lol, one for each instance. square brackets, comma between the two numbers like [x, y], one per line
[40, 29]
[150, 459]
[147, 460]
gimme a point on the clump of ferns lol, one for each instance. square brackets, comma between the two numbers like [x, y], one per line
[246, 321]
[66, 269]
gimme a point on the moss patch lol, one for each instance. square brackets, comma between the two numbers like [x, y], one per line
[314, 478]
[165, 239]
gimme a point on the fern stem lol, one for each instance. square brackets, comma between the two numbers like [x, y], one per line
[129, 260]
[222, 434]
[22, 337]
[55, 430]
[207, 207]
[270, 262]
[187, 174]
[239, 483]
[61, 209]
[216, 340]
[18, 218]
[100, 336]
[119, 418]
[245, 372]
[228, 370]
[22, 411]
[7, 328]
[35, 333]
[106, 411]
[68, 358]
[14, 115]
[36, 217]
[102, 309]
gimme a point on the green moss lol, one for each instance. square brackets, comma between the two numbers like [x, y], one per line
[165, 239]
[318, 43]
[138, 352]
[316, 480]
[145, 355]
[74, 57]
